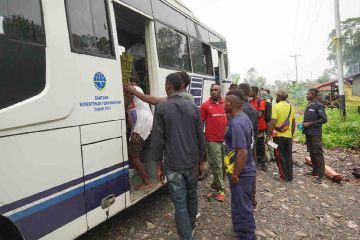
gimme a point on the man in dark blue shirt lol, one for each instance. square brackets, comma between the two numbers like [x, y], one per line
[314, 117]
[240, 165]
[178, 138]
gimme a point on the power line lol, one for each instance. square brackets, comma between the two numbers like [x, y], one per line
[307, 21]
[318, 12]
[316, 19]
[296, 21]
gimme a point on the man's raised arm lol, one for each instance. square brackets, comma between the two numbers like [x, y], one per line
[153, 100]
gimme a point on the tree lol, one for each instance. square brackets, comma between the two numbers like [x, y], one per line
[326, 75]
[281, 85]
[350, 29]
[297, 92]
[235, 78]
[254, 79]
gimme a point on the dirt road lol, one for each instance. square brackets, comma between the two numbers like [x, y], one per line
[298, 210]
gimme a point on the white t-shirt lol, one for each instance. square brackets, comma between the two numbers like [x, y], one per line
[140, 116]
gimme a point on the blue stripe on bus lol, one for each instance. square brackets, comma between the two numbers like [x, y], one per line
[45, 204]
[27, 200]
[49, 219]
[64, 196]
[105, 179]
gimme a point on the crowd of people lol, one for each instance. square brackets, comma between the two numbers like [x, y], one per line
[231, 133]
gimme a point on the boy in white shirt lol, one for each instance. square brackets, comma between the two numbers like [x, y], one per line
[141, 120]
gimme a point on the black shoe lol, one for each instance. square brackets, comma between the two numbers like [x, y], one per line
[214, 188]
[319, 180]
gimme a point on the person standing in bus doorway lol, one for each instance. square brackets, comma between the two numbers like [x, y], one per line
[282, 128]
[178, 138]
[240, 165]
[140, 120]
[260, 105]
[215, 118]
[314, 118]
[153, 100]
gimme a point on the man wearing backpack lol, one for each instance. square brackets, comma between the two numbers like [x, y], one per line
[282, 128]
[265, 94]
[260, 105]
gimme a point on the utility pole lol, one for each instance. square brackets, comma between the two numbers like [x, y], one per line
[296, 69]
[339, 59]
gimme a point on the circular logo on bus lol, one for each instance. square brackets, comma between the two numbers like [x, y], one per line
[99, 81]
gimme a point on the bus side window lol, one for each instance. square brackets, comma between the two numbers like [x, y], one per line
[21, 20]
[22, 62]
[226, 63]
[201, 57]
[89, 27]
[172, 47]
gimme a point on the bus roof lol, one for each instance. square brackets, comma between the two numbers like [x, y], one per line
[181, 7]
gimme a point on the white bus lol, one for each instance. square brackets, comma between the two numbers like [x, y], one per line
[63, 151]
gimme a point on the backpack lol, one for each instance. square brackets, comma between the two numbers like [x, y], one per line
[268, 109]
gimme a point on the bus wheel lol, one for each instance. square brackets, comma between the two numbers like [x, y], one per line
[8, 230]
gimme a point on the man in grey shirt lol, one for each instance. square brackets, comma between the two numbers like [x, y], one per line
[178, 137]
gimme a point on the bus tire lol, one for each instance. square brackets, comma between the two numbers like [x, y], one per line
[8, 230]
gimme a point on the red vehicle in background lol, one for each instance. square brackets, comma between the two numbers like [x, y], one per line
[329, 93]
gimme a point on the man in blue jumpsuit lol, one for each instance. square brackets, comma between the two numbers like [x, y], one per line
[240, 165]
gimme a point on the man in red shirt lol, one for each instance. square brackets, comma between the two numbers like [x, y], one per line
[213, 114]
[260, 105]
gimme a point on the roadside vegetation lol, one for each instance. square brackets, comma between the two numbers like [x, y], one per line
[338, 132]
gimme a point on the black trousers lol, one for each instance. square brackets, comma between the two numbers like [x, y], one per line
[283, 156]
[260, 149]
[314, 147]
[254, 202]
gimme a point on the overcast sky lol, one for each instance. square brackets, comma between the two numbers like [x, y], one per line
[264, 33]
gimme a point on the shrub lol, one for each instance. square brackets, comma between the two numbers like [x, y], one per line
[338, 132]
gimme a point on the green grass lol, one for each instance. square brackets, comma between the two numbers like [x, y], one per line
[337, 132]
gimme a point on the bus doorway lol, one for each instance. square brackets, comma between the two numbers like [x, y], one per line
[130, 27]
[219, 69]
[131, 33]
